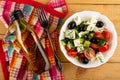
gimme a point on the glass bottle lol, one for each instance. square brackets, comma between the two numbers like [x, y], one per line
[29, 42]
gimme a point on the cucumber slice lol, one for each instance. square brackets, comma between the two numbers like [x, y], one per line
[91, 34]
[86, 44]
[76, 57]
[86, 32]
[63, 41]
[70, 44]
[81, 40]
[76, 35]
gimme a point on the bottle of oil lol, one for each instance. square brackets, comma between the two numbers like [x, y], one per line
[29, 42]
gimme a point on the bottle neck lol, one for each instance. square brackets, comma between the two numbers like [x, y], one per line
[20, 23]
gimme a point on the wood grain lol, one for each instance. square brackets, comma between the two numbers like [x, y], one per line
[43, 1]
[108, 71]
[1, 74]
[1, 36]
[93, 1]
[3, 29]
[86, 1]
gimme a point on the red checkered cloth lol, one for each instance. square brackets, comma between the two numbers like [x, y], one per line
[17, 63]
[3, 63]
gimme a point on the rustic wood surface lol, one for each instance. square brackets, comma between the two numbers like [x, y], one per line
[1, 75]
[108, 71]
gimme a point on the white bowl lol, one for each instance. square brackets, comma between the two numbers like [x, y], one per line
[110, 27]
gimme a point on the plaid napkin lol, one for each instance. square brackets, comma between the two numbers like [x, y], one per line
[4, 73]
[17, 63]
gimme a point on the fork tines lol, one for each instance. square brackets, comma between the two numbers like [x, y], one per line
[42, 16]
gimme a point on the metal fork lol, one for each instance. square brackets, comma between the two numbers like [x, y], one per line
[44, 21]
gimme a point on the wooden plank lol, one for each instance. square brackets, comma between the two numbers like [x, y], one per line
[1, 36]
[108, 71]
[1, 74]
[86, 1]
[43, 1]
[93, 1]
[3, 29]
[111, 11]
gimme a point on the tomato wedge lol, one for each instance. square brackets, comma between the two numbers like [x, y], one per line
[99, 35]
[104, 48]
[94, 46]
[73, 53]
[70, 50]
[81, 55]
[67, 48]
[89, 53]
[107, 35]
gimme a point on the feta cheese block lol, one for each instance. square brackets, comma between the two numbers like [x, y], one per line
[100, 57]
[77, 20]
[70, 34]
[78, 42]
[80, 49]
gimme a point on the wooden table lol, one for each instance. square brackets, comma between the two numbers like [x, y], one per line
[108, 71]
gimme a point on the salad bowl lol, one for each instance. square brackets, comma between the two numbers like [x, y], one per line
[83, 16]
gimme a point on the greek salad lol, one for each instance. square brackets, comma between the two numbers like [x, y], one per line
[86, 40]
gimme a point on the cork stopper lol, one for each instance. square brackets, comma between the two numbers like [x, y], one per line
[16, 15]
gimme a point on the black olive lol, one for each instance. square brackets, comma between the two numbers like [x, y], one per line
[66, 40]
[99, 24]
[84, 27]
[79, 29]
[84, 60]
[96, 51]
[94, 40]
[71, 25]
[87, 37]
[91, 31]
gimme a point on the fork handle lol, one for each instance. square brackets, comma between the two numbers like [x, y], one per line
[57, 60]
